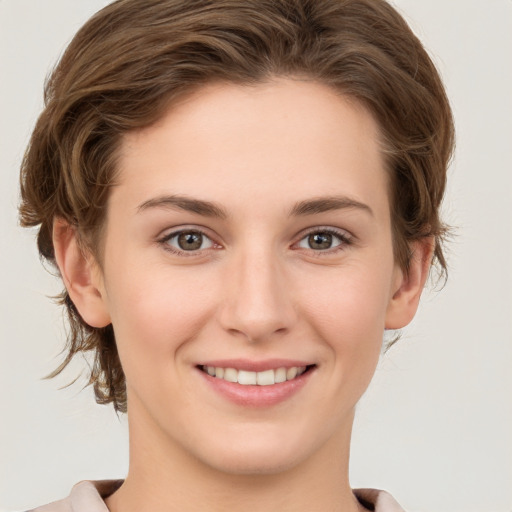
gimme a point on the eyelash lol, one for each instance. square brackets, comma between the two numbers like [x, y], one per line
[164, 241]
[344, 238]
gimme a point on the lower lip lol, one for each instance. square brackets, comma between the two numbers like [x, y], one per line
[257, 396]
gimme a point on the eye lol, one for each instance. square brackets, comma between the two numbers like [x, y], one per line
[187, 241]
[323, 240]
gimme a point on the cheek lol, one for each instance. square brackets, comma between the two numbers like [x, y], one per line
[348, 313]
[350, 304]
[155, 311]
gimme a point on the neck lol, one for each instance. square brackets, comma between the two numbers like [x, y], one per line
[164, 477]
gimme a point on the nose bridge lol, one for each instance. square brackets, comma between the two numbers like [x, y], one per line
[259, 301]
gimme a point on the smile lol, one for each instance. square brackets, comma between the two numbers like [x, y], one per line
[262, 378]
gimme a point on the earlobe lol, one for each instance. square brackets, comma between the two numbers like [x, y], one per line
[81, 275]
[408, 285]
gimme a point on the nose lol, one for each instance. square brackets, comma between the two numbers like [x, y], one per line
[258, 298]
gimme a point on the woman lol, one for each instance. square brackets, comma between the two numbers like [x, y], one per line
[240, 197]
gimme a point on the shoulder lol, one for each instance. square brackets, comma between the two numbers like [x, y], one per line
[377, 500]
[86, 496]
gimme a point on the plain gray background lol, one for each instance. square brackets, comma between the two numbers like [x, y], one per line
[434, 428]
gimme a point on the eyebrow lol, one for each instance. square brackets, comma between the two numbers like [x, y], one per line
[210, 209]
[326, 204]
[204, 208]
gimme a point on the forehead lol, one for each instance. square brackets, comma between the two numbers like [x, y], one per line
[274, 141]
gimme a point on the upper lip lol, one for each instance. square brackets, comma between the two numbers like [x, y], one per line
[255, 366]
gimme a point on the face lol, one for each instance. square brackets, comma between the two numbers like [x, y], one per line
[248, 272]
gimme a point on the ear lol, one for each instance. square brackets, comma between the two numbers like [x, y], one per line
[81, 275]
[407, 286]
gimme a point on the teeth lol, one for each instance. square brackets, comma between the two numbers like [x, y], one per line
[230, 374]
[280, 375]
[246, 378]
[291, 373]
[264, 378]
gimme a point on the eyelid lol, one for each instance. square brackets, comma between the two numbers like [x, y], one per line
[171, 233]
[344, 236]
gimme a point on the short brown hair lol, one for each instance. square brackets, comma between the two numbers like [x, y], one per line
[134, 57]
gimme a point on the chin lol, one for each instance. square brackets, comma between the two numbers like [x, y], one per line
[265, 455]
[248, 463]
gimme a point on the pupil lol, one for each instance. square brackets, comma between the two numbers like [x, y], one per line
[320, 241]
[190, 241]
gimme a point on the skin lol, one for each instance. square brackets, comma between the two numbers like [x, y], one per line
[256, 290]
